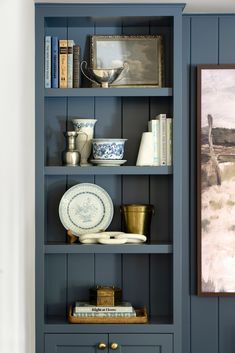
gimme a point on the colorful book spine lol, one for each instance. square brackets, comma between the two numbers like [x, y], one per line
[162, 135]
[48, 62]
[63, 63]
[169, 135]
[54, 63]
[153, 126]
[76, 66]
[70, 63]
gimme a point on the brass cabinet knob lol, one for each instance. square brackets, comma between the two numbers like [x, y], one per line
[102, 346]
[114, 346]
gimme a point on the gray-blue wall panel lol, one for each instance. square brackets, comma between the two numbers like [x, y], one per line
[207, 40]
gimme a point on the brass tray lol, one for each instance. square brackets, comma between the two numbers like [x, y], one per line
[140, 318]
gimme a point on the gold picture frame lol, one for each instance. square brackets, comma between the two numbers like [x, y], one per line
[142, 53]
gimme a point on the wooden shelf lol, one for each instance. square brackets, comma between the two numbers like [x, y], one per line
[122, 170]
[109, 92]
[62, 248]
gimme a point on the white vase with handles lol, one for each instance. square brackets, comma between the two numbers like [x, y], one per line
[85, 129]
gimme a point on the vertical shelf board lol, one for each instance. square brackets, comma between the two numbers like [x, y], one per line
[186, 49]
[178, 182]
[40, 202]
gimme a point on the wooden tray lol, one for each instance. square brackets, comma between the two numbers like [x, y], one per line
[140, 318]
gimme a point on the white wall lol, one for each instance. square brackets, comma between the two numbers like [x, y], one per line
[17, 176]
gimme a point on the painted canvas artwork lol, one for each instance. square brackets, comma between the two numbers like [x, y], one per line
[216, 179]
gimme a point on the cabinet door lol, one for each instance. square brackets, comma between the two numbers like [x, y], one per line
[75, 343]
[143, 343]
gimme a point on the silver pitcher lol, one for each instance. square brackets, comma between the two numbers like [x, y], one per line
[70, 156]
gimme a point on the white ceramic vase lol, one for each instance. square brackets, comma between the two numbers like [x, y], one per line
[85, 129]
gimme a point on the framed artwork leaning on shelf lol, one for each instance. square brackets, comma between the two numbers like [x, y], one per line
[143, 55]
[216, 179]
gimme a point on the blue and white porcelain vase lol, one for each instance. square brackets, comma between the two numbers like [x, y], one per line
[85, 129]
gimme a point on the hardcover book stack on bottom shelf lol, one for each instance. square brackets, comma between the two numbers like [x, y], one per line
[105, 306]
[84, 309]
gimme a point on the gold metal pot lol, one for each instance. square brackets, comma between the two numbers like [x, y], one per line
[137, 218]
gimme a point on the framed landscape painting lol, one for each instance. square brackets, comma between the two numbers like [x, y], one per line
[216, 179]
[143, 55]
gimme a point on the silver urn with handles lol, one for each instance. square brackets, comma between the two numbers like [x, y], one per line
[101, 76]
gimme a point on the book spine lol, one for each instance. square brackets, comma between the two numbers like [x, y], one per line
[153, 126]
[76, 66]
[162, 135]
[169, 134]
[54, 63]
[48, 62]
[70, 63]
[103, 309]
[63, 60]
[105, 314]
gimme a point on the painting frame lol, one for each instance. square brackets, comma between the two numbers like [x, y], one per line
[150, 75]
[215, 133]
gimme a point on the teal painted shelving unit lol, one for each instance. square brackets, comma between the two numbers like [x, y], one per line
[150, 274]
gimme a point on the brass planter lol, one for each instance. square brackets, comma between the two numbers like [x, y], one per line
[137, 218]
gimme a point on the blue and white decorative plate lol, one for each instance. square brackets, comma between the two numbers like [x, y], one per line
[86, 208]
[108, 163]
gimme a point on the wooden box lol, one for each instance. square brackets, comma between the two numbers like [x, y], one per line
[105, 296]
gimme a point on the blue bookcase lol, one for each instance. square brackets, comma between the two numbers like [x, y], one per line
[151, 274]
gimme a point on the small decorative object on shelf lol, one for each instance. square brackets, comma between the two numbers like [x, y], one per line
[85, 208]
[85, 130]
[105, 295]
[145, 154]
[112, 238]
[104, 77]
[108, 162]
[108, 148]
[95, 238]
[156, 144]
[137, 218]
[105, 306]
[71, 238]
[70, 156]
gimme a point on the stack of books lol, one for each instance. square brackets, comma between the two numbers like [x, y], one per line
[62, 63]
[161, 127]
[85, 309]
